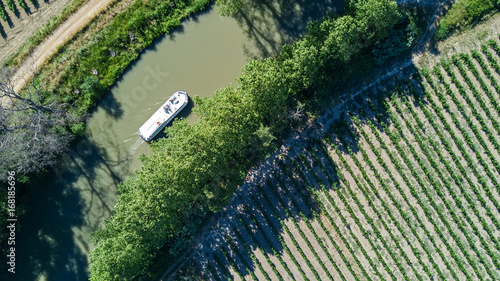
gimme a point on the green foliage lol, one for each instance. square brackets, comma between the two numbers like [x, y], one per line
[41, 33]
[11, 5]
[3, 13]
[464, 13]
[375, 18]
[78, 129]
[4, 211]
[265, 135]
[22, 4]
[235, 250]
[90, 89]
[418, 184]
[400, 39]
[202, 164]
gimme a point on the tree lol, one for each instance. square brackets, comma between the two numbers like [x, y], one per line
[90, 88]
[32, 130]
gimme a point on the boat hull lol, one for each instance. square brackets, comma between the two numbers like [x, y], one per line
[164, 115]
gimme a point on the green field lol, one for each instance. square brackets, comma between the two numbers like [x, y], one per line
[404, 186]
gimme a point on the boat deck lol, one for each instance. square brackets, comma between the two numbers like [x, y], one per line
[164, 115]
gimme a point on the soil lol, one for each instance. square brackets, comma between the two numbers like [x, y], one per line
[462, 42]
[21, 27]
[61, 35]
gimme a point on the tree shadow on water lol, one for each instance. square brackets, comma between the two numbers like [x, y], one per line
[276, 207]
[112, 107]
[271, 24]
[35, 4]
[64, 208]
[183, 114]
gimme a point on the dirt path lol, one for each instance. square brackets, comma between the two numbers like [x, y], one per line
[62, 34]
[21, 26]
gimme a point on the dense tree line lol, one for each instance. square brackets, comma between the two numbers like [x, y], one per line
[196, 169]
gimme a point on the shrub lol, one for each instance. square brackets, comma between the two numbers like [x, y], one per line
[78, 128]
[463, 14]
[90, 88]
[400, 39]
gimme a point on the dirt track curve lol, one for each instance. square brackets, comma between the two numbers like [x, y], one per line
[62, 34]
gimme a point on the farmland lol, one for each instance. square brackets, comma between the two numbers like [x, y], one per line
[402, 184]
[10, 9]
[26, 23]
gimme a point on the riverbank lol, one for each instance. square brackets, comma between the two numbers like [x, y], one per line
[202, 56]
[85, 68]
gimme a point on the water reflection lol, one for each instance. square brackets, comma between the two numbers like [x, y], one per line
[270, 24]
[64, 209]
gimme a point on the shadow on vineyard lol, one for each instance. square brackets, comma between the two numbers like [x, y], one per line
[400, 184]
[12, 12]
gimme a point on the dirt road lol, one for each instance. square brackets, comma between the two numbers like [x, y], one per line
[62, 34]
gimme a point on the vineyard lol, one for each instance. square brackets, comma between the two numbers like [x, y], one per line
[9, 4]
[10, 10]
[403, 186]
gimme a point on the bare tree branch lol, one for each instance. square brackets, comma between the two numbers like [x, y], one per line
[33, 132]
[298, 113]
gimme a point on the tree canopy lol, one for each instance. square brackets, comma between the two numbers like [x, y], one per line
[33, 129]
[198, 167]
[463, 14]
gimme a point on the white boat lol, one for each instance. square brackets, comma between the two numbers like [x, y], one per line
[164, 115]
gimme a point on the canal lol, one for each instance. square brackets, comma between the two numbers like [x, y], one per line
[203, 55]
